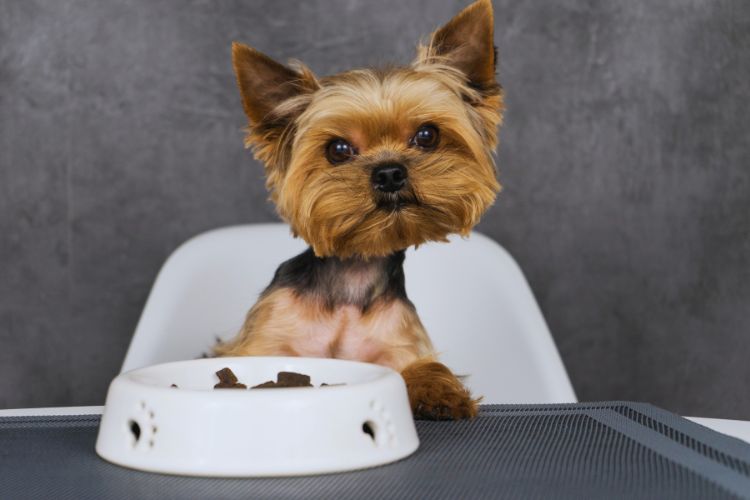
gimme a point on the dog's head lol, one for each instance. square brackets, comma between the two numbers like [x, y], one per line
[371, 161]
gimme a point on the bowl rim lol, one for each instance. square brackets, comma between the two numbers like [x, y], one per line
[131, 376]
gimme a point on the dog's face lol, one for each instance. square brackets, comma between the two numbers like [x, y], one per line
[368, 162]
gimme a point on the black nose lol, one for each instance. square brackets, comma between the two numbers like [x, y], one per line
[389, 178]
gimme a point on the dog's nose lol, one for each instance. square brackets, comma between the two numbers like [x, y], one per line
[389, 178]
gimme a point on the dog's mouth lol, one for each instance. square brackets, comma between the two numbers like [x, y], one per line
[396, 202]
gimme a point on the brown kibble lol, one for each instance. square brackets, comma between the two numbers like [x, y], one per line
[265, 385]
[226, 376]
[221, 385]
[286, 379]
[228, 380]
[291, 379]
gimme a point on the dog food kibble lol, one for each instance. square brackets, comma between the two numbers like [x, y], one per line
[293, 379]
[265, 385]
[228, 380]
[286, 379]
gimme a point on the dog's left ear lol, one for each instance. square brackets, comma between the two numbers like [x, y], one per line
[466, 43]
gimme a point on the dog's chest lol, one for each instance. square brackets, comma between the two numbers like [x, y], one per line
[346, 332]
[340, 334]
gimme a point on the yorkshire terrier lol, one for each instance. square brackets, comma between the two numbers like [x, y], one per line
[363, 165]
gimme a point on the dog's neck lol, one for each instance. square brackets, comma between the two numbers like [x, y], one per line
[335, 282]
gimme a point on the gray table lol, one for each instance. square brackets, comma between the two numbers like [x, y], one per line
[584, 450]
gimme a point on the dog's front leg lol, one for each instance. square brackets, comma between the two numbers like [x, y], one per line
[435, 393]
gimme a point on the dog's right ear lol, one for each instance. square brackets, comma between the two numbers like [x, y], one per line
[265, 84]
[273, 96]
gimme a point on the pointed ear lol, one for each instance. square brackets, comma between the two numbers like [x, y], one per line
[466, 42]
[265, 83]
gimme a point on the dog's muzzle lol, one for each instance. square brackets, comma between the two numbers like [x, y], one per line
[389, 178]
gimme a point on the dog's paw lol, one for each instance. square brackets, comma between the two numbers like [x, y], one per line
[465, 409]
[437, 394]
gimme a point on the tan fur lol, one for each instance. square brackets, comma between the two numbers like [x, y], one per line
[378, 113]
[437, 394]
[461, 39]
[282, 323]
[293, 116]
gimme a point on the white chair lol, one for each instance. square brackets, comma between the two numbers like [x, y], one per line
[471, 296]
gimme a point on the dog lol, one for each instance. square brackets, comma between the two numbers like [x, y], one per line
[362, 165]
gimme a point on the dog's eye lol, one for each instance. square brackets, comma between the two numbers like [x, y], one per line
[427, 137]
[339, 151]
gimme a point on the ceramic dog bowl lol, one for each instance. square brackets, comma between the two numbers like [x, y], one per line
[194, 429]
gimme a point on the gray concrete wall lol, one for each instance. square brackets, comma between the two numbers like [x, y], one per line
[625, 160]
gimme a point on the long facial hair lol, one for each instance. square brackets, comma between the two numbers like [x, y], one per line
[293, 116]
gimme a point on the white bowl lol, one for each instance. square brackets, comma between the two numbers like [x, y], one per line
[195, 429]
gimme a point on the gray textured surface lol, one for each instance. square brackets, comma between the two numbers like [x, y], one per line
[612, 450]
[625, 161]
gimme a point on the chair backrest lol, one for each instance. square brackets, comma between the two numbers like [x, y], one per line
[470, 294]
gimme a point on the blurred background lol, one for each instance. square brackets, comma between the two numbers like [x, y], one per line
[625, 159]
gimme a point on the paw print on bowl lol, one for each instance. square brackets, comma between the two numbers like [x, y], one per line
[142, 428]
[380, 428]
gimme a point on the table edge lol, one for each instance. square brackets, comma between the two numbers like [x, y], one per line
[739, 429]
